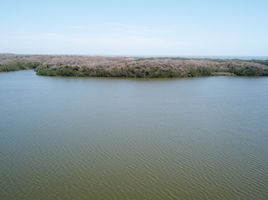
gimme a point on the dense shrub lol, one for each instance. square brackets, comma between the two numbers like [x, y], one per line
[15, 66]
[132, 67]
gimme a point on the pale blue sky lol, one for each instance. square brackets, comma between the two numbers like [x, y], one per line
[137, 27]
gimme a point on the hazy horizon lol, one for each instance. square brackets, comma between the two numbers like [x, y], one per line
[147, 56]
[135, 28]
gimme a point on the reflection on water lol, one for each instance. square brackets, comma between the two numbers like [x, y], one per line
[70, 138]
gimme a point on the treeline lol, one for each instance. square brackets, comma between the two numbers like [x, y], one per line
[131, 67]
[152, 72]
[18, 65]
[263, 62]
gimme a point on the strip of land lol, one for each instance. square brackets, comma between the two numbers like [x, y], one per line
[131, 67]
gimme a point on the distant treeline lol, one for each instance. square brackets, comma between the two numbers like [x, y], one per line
[264, 62]
[152, 72]
[132, 67]
[18, 65]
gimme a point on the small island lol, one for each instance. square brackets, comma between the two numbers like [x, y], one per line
[131, 67]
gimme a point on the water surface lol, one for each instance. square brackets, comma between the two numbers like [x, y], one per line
[89, 138]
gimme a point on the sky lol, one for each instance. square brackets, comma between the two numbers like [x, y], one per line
[135, 27]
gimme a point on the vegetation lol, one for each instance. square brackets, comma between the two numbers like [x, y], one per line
[15, 66]
[131, 67]
[264, 62]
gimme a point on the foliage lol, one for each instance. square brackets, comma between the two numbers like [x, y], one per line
[15, 66]
[132, 67]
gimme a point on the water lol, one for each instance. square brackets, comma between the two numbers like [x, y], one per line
[79, 138]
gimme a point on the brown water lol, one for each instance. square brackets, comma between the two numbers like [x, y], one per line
[70, 138]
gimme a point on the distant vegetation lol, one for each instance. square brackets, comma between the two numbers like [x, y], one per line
[131, 67]
[264, 62]
[18, 65]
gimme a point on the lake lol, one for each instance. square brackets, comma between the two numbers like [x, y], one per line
[100, 138]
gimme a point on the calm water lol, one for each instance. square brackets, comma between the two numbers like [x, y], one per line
[70, 138]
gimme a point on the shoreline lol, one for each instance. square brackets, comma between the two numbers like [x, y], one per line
[132, 67]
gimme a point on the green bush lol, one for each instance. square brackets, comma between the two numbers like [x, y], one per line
[143, 71]
[16, 65]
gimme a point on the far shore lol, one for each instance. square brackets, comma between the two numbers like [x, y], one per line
[132, 67]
